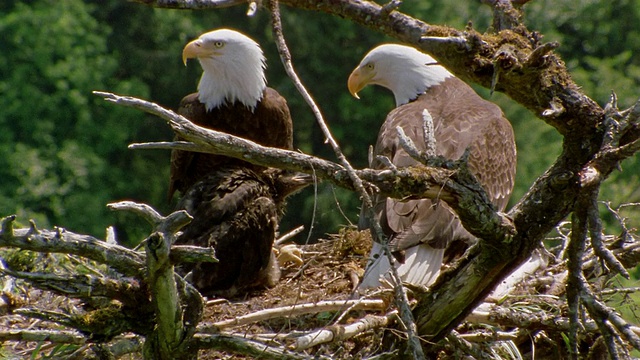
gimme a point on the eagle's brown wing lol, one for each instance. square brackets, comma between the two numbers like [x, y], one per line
[234, 212]
[461, 120]
[269, 124]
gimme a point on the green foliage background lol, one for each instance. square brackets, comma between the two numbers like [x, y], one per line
[63, 152]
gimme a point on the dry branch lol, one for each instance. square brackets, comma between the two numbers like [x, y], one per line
[123, 260]
[238, 345]
[457, 187]
[293, 310]
[128, 291]
[337, 333]
[532, 320]
[57, 336]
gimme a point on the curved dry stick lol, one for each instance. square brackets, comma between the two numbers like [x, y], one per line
[293, 310]
[401, 298]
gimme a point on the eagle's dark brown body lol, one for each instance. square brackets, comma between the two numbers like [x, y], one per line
[236, 211]
[269, 124]
[236, 206]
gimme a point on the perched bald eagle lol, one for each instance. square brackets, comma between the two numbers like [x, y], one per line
[236, 211]
[419, 231]
[236, 205]
[232, 97]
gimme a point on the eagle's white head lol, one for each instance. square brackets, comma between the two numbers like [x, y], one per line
[404, 70]
[233, 67]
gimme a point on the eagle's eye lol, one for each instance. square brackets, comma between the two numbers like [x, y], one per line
[369, 66]
[218, 44]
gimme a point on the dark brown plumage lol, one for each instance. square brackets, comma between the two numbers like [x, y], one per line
[269, 125]
[236, 211]
[236, 206]
[419, 231]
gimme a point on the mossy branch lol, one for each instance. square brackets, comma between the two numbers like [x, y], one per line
[123, 260]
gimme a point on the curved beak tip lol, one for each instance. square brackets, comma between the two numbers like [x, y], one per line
[353, 84]
[190, 51]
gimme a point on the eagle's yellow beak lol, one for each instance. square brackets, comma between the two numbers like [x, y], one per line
[359, 78]
[192, 50]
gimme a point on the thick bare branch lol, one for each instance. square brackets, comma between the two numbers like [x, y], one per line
[127, 291]
[250, 348]
[457, 187]
[294, 310]
[123, 260]
[341, 332]
[169, 332]
[55, 336]
[542, 320]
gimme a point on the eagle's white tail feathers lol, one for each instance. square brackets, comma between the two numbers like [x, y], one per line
[421, 266]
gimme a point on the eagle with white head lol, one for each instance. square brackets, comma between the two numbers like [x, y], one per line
[236, 206]
[232, 97]
[423, 233]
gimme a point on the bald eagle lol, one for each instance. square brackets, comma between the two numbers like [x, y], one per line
[232, 97]
[236, 205]
[420, 231]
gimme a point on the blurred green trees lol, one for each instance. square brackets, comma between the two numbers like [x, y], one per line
[63, 152]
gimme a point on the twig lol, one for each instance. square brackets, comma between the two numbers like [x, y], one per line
[619, 291]
[429, 134]
[250, 348]
[47, 315]
[597, 242]
[472, 349]
[540, 320]
[626, 234]
[342, 332]
[169, 224]
[192, 254]
[539, 54]
[286, 237]
[387, 8]
[575, 252]
[123, 260]
[602, 311]
[401, 296]
[85, 286]
[484, 336]
[408, 146]
[386, 162]
[294, 310]
[54, 336]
